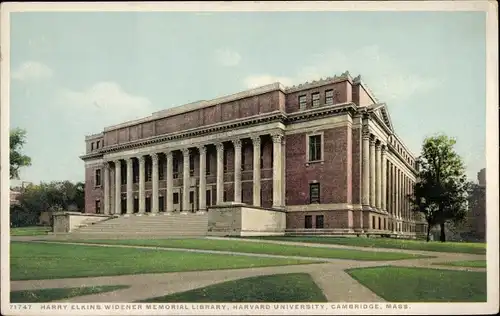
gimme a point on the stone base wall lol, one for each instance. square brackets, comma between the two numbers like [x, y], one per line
[242, 220]
[66, 222]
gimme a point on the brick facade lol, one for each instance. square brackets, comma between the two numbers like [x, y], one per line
[338, 173]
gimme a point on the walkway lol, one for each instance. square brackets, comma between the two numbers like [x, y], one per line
[330, 276]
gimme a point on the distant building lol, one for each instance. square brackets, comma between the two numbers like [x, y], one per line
[481, 177]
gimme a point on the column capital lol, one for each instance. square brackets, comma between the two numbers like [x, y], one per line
[366, 133]
[168, 152]
[277, 137]
[236, 143]
[129, 159]
[219, 146]
[117, 162]
[154, 157]
[105, 165]
[142, 159]
[384, 149]
[378, 146]
[202, 149]
[256, 140]
[372, 141]
[185, 152]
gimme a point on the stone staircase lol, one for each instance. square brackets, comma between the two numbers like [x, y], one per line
[145, 226]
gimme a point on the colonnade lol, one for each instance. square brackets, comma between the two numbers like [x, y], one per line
[115, 208]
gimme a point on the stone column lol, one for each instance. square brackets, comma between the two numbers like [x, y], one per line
[366, 169]
[378, 176]
[396, 195]
[220, 173]
[277, 170]
[203, 178]
[185, 180]
[130, 185]
[170, 181]
[106, 188]
[237, 170]
[256, 170]
[372, 173]
[384, 178]
[154, 186]
[118, 187]
[142, 184]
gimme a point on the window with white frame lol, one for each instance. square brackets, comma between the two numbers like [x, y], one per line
[315, 144]
[302, 102]
[98, 177]
[329, 97]
[315, 99]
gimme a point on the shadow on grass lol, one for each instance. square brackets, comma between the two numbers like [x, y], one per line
[292, 287]
[49, 295]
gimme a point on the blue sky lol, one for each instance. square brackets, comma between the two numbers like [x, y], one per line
[72, 74]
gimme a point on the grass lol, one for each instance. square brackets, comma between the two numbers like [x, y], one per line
[49, 295]
[31, 261]
[459, 247]
[30, 231]
[293, 287]
[261, 248]
[404, 284]
[465, 263]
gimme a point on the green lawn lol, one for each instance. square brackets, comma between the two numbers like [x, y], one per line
[293, 287]
[403, 284]
[49, 295]
[261, 248]
[465, 263]
[31, 261]
[461, 247]
[30, 231]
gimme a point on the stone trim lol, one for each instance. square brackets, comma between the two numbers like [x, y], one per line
[323, 207]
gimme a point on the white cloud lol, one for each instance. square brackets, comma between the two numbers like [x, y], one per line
[262, 80]
[108, 100]
[386, 76]
[227, 57]
[32, 70]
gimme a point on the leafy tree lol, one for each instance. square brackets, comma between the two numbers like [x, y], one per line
[17, 159]
[442, 190]
[53, 196]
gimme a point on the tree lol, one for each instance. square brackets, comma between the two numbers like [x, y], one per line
[53, 196]
[17, 159]
[442, 190]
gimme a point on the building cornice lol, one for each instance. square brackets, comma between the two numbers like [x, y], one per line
[94, 136]
[276, 116]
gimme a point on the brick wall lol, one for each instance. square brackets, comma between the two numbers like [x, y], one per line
[333, 174]
[91, 192]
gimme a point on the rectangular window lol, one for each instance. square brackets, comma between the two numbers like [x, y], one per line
[191, 197]
[308, 221]
[319, 221]
[302, 102]
[224, 161]
[98, 206]
[329, 97]
[135, 171]
[97, 144]
[149, 170]
[136, 205]
[191, 165]
[225, 196]
[208, 197]
[161, 204]
[379, 223]
[148, 205]
[373, 222]
[175, 166]
[242, 159]
[176, 198]
[315, 99]
[161, 169]
[123, 175]
[314, 193]
[315, 148]
[207, 164]
[91, 146]
[98, 177]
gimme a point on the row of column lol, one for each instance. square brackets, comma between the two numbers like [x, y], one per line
[256, 140]
[384, 186]
[373, 171]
